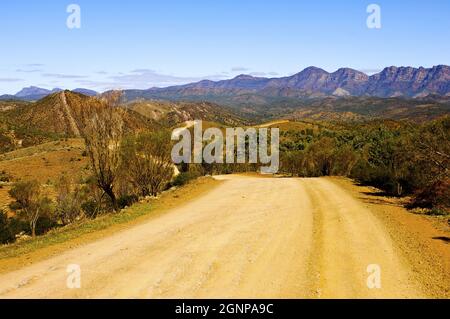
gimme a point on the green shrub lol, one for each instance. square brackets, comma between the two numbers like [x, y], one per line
[126, 200]
[4, 177]
[184, 178]
[44, 224]
[17, 226]
[6, 236]
[30, 203]
[438, 212]
[435, 196]
[90, 208]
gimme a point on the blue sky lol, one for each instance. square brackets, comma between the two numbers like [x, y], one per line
[140, 44]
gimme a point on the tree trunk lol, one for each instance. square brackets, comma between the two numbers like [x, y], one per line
[399, 189]
[109, 191]
[33, 222]
[145, 191]
[33, 229]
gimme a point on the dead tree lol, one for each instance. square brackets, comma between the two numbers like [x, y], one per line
[102, 134]
[147, 161]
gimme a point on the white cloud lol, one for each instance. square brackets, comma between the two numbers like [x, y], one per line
[10, 80]
[239, 69]
[28, 71]
[146, 78]
[263, 74]
[370, 71]
[64, 76]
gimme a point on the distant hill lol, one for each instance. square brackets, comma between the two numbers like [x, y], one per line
[34, 93]
[85, 91]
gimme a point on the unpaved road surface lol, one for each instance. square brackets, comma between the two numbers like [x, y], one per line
[248, 237]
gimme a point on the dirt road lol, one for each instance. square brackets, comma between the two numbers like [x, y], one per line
[249, 237]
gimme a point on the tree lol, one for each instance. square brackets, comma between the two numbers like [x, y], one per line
[6, 235]
[346, 159]
[68, 200]
[432, 165]
[93, 198]
[146, 161]
[292, 162]
[102, 135]
[321, 156]
[30, 202]
[389, 156]
[433, 147]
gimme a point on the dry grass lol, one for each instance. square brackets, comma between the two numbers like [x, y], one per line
[45, 162]
[5, 199]
[287, 125]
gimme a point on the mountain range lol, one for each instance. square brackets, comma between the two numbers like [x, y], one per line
[312, 82]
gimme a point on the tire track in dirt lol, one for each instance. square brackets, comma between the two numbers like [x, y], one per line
[249, 237]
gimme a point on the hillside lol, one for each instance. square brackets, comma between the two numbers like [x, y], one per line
[367, 108]
[172, 113]
[65, 112]
[348, 108]
[57, 115]
[45, 162]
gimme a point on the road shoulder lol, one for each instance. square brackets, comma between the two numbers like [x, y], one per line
[422, 240]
